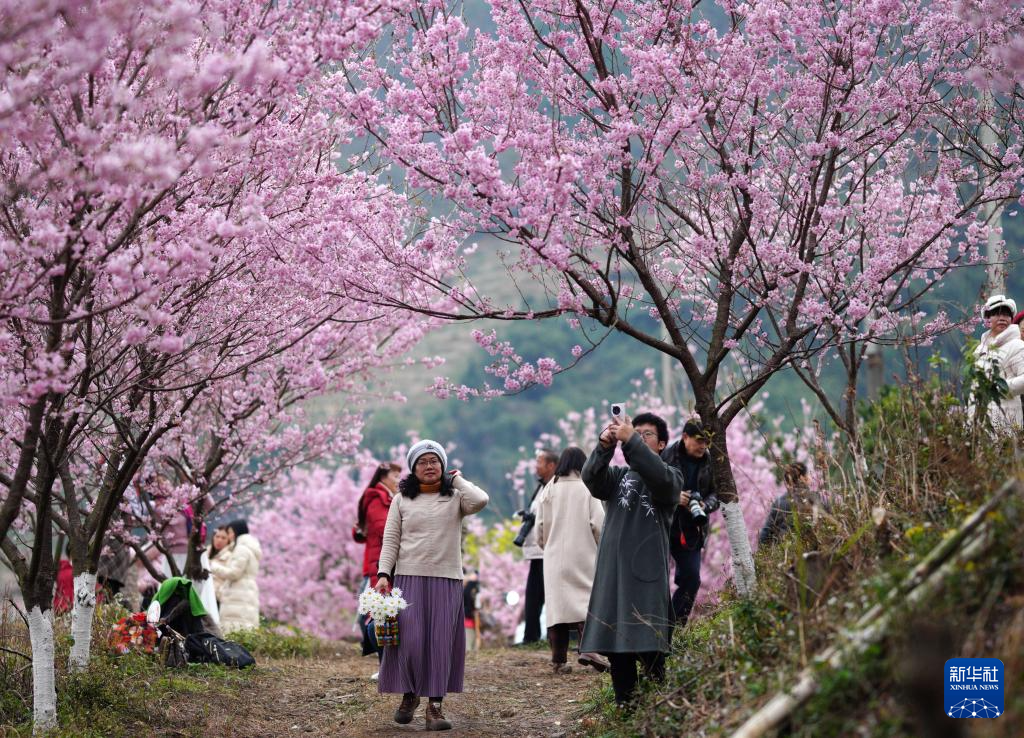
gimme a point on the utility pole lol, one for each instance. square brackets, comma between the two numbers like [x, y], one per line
[668, 387]
[994, 256]
[875, 374]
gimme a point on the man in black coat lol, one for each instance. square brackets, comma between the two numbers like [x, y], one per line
[689, 531]
[629, 618]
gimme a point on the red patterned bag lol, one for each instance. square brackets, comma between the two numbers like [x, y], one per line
[132, 633]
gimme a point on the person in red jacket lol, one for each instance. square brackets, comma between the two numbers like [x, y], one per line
[369, 529]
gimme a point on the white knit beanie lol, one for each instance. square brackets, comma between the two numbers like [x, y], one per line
[426, 446]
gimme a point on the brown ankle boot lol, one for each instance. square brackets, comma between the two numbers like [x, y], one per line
[405, 711]
[435, 718]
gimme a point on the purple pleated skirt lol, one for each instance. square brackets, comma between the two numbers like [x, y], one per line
[430, 658]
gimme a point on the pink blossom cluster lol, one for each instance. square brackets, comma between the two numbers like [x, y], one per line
[502, 570]
[312, 569]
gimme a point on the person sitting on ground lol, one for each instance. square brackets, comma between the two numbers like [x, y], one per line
[569, 522]
[798, 499]
[1003, 346]
[630, 612]
[240, 594]
[422, 555]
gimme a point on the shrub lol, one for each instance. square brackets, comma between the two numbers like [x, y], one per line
[276, 641]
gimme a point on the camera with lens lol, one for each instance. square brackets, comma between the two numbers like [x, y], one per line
[529, 519]
[695, 507]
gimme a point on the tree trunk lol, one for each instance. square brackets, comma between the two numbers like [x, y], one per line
[83, 608]
[44, 691]
[744, 573]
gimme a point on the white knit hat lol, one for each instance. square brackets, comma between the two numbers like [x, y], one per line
[998, 301]
[426, 446]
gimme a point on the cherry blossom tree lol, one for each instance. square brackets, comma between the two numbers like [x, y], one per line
[758, 188]
[172, 208]
[312, 570]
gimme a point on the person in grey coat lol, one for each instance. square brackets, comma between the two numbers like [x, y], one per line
[630, 613]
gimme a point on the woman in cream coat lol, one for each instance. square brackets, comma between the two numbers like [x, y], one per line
[1002, 344]
[569, 522]
[239, 593]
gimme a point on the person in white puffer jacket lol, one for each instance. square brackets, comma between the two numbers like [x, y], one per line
[1004, 346]
[239, 592]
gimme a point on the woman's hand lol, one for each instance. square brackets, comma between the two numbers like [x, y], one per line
[383, 585]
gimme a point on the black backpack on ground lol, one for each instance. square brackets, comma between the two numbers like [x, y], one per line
[206, 648]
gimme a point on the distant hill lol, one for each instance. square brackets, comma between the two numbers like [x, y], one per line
[487, 435]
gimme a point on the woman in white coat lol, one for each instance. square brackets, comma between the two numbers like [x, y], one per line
[239, 592]
[1002, 345]
[569, 522]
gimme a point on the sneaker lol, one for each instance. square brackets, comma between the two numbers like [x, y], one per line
[562, 668]
[405, 711]
[435, 718]
[599, 662]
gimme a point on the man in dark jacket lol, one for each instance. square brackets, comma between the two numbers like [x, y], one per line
[630, 612]
[689, 531]
[798, 500]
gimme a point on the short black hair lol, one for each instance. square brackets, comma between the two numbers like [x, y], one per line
[571, 460]
[652, 419]
[694, 428]
[794, 472]
[240, 527]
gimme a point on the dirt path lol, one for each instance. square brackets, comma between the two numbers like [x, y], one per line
[508, 693]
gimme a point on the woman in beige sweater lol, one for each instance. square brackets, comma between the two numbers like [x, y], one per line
[422, 555]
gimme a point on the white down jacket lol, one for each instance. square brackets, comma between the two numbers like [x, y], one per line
[239, 592]
[1006, 349]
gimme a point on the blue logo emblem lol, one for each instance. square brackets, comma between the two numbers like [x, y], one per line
[974, 688]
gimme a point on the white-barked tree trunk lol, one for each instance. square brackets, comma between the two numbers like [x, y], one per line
[83, 608]
[44, 690]
[743, 572]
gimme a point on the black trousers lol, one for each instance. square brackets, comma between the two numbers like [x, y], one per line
[687, 579]
[624, 674]
[534, 601]
[558, 637]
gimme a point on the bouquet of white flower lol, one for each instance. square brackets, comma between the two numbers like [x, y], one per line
[383, 609]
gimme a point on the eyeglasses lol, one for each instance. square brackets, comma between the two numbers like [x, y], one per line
[648, 435]
[428, 462]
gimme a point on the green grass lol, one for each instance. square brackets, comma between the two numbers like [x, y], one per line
[277, 641]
